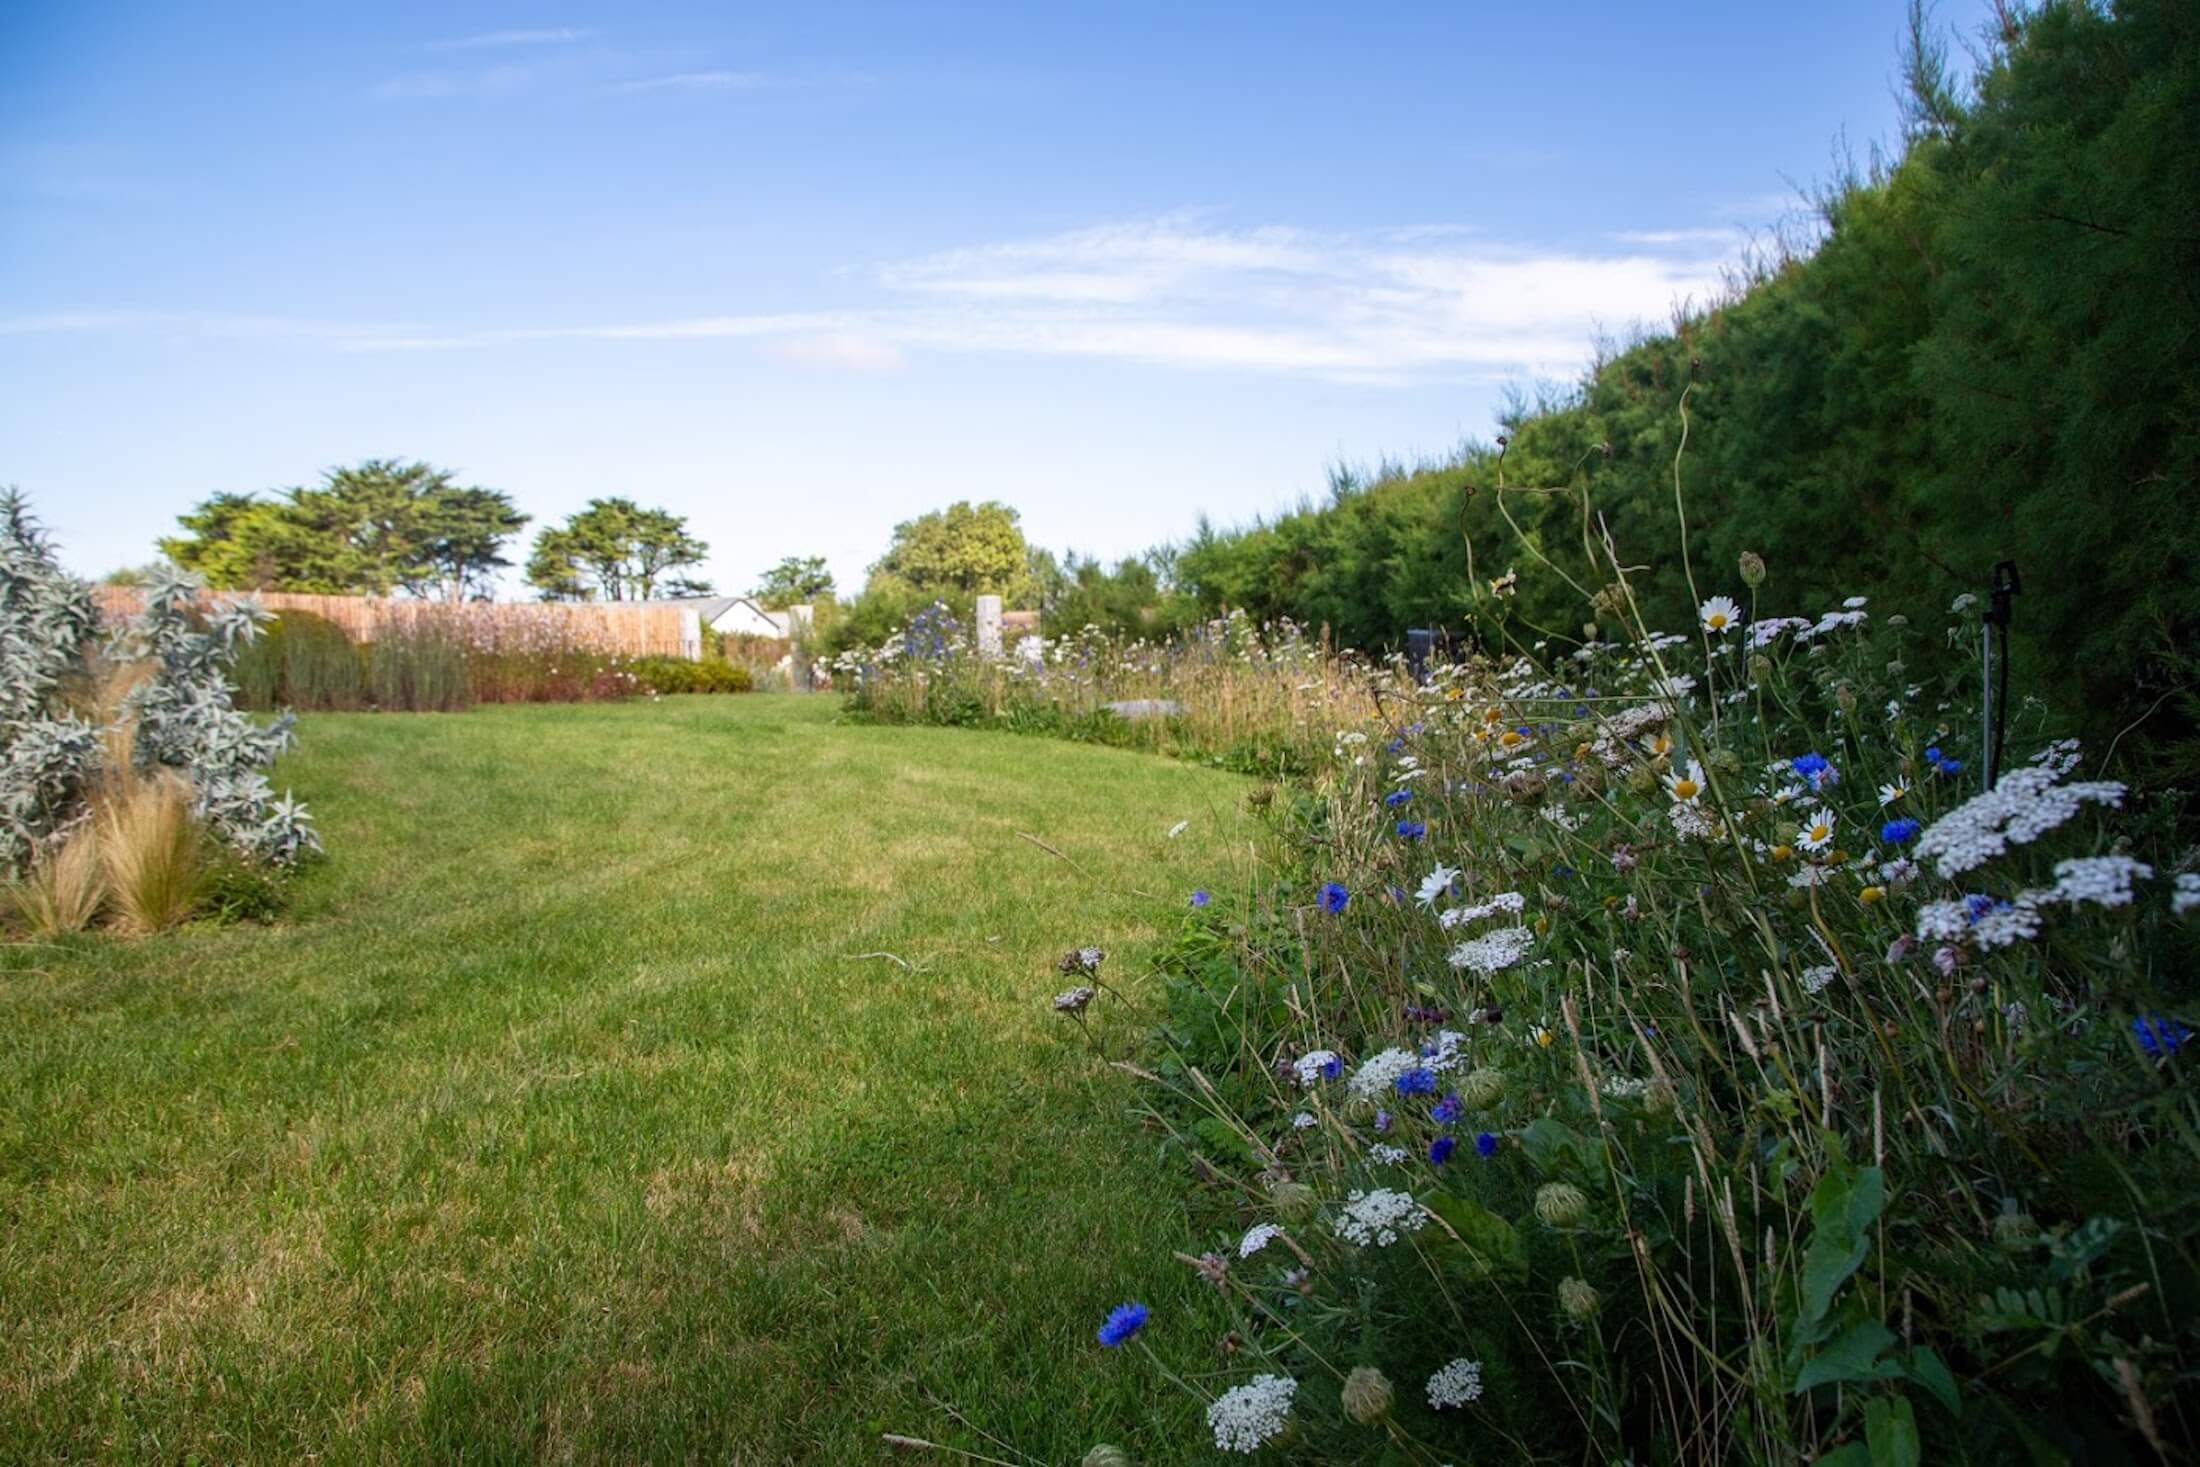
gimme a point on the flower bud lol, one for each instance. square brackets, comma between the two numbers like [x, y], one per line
[1846, 697]
[1561, 1204]
[2016, 1231]
[1482, 1088]
[1367, 1395]
[1577, 1298]
[1760, 667]
[1753, 569]
[1292, 1199]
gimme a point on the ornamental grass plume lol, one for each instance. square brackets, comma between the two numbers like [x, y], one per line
[153, 849]
[65, 886]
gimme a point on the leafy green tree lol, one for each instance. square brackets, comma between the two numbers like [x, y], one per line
[377, 528]
[796, 580]
[960, 552]
[614, 550]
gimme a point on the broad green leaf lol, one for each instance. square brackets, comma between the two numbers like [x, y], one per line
[1490, 1243]
[1849, 1357]
[1924, 1366]
[1890, 1431]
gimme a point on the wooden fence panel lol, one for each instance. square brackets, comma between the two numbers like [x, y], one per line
[622, 629]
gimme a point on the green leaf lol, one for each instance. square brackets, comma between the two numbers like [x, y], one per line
[1890, 1431]
[1488, 1243]
[1551, 1143]
[1924, 1366]
[1827, 1264]
[1850, 1357]
[1855, 1454]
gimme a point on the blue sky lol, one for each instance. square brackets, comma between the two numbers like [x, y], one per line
[801, 273]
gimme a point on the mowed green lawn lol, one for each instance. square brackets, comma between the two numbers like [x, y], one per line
[563, 1116]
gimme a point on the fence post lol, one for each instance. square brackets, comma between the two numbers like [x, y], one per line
[989, 626]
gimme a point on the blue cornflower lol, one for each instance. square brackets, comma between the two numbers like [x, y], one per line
[2159, 1035]
[1382, 1123]
[1449, 1109]
[1124, 1320]
[1331, 1068]
[1397, 797]
[1816, 769]
[1418, 1081]
[1976, 906]
[1440, 1150]
[1485, 1144]
[1941, 762]
[1411, 829]
[1900, 831]
[1334, 897]
[1200, 898]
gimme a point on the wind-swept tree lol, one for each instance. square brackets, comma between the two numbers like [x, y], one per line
[795, 580]
[614, 550]
[377, 528]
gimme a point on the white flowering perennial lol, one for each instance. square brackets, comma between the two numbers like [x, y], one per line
[1435, 884]
[2023, 807]
[1494, 950]
[1816, 979]
[2186, 893]
[1379, 1218]
[2105, 881]
[1457, 1384]
[1257, 1238]
[1377, 1075]
[1986, 923]
[1309, 1066]
[1384, 1154]
[1246, 1418]
[1508, 901]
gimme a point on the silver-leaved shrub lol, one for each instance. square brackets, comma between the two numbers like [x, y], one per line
[177, 716]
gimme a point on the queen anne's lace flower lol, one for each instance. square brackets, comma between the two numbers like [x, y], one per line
[1457, 1384]
[1315, 1066]
[1378, 1074]
[1257, 1238]
[1384, 1154]
[2023, 807]
[1507, 901]
[1493, 950]
[1816, 979]
[1245, 1418]
[1379, 1218]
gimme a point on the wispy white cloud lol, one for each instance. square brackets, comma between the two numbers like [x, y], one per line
[1178, 292]
[499, 40]
[502, 80]
[697, 81]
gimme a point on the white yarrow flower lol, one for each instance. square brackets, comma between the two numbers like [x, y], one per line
[2105, 881]
[2026, 805]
